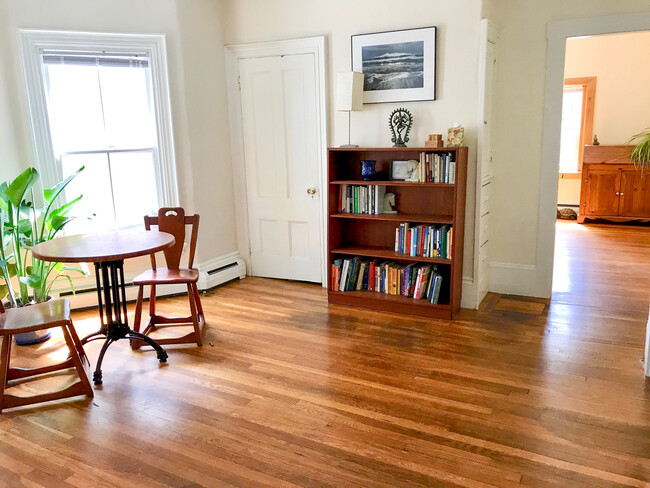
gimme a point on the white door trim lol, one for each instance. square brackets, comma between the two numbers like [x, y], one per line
[557, 34]
[312, 45]
[471, 294]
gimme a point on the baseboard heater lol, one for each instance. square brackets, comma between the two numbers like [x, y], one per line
[211, 278]
[222, 268]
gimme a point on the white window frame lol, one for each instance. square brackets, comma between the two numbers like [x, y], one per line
[33, 42]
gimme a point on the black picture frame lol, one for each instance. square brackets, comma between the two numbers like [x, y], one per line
[398, 66]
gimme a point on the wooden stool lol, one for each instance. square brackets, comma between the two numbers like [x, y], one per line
[173, 221]
[55, 313]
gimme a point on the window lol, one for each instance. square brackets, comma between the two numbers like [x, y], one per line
[106, 109]
[577, 122]
[571, 125]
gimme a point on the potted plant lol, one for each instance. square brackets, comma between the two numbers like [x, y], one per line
[22, 226]
[640, 155]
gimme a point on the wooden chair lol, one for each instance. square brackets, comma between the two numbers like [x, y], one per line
[173, 221]
[40, 316]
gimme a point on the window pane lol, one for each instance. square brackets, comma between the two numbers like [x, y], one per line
[571, 125]
[94, 184]
[104, 108]
[134, 186]
[74, 108]
[127, 109]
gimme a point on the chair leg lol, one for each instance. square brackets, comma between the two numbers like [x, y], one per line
[78, 364]
[195, 318]
[197, 297]
[135, 344]
[152, 300]
[77, 342]
[4, 365]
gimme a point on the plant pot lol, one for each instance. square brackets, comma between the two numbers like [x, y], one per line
[35, 337]
[29, 338]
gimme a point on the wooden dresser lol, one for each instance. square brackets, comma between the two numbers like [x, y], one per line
[611, 187]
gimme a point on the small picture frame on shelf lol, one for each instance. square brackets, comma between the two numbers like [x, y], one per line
[402, 170]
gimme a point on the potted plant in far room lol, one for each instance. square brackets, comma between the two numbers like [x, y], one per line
[640, 154]
[22, 226]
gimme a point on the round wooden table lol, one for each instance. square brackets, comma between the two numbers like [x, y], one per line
[108, 252]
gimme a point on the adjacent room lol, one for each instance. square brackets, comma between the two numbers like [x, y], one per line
[601, 205]
[295, 244]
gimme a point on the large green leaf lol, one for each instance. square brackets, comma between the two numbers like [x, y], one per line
[51, 194]
[4, 291]
[59, 221]
[25, 227]
[32, 280]
[63, 209]
[4, 199]
[24, 181]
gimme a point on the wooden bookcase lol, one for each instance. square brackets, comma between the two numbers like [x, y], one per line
[373, 236]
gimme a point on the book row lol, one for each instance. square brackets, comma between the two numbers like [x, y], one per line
[437, 168]
[417, 280]
[428, 241]
[362, 199]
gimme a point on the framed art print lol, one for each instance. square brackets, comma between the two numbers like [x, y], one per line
[398, 66]
[402, 170]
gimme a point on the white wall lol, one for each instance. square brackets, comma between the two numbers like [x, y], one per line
[11, 148]
[517, 133]
[621, 65]
[457, 91]
[568, 191]
[194, 33]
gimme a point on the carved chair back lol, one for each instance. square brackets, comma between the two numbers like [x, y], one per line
[173, 221]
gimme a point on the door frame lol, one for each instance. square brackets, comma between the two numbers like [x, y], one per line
[557, 34]
[311, 45]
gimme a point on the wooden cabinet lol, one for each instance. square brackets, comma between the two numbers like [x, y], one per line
[373, 236]
[634, 193]
[612, 188]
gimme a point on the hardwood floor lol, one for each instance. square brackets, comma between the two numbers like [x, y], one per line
[287, 391]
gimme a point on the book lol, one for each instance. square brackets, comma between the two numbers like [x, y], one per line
[336, 274]
[371, 276]
[379, 199]
[344, 274]
[436, 289]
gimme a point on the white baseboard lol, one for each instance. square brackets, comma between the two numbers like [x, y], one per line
[517, 279]
[212, 272]
[469, 296]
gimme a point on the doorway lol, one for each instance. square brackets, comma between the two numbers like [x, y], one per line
[605, 261]
[277, 113]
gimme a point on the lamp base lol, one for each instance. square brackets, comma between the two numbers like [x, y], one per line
[349, 145]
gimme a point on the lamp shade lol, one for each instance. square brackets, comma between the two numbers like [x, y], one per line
[349, 91]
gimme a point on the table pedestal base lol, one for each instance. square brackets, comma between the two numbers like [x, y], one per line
[111, 295]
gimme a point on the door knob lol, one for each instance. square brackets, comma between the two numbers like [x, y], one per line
[311, 191]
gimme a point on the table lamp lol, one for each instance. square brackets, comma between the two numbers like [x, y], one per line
[349, 96]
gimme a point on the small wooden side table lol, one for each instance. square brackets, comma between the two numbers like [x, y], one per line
[108, 252]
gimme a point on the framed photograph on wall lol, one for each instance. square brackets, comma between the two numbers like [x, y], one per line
[398, 66]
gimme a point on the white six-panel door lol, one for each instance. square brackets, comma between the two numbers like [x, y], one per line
[280, 128]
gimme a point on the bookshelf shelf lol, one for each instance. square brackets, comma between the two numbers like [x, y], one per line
[421, 218]
[372, 237]
[392, 183]
[390, 303]
[377, 252]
